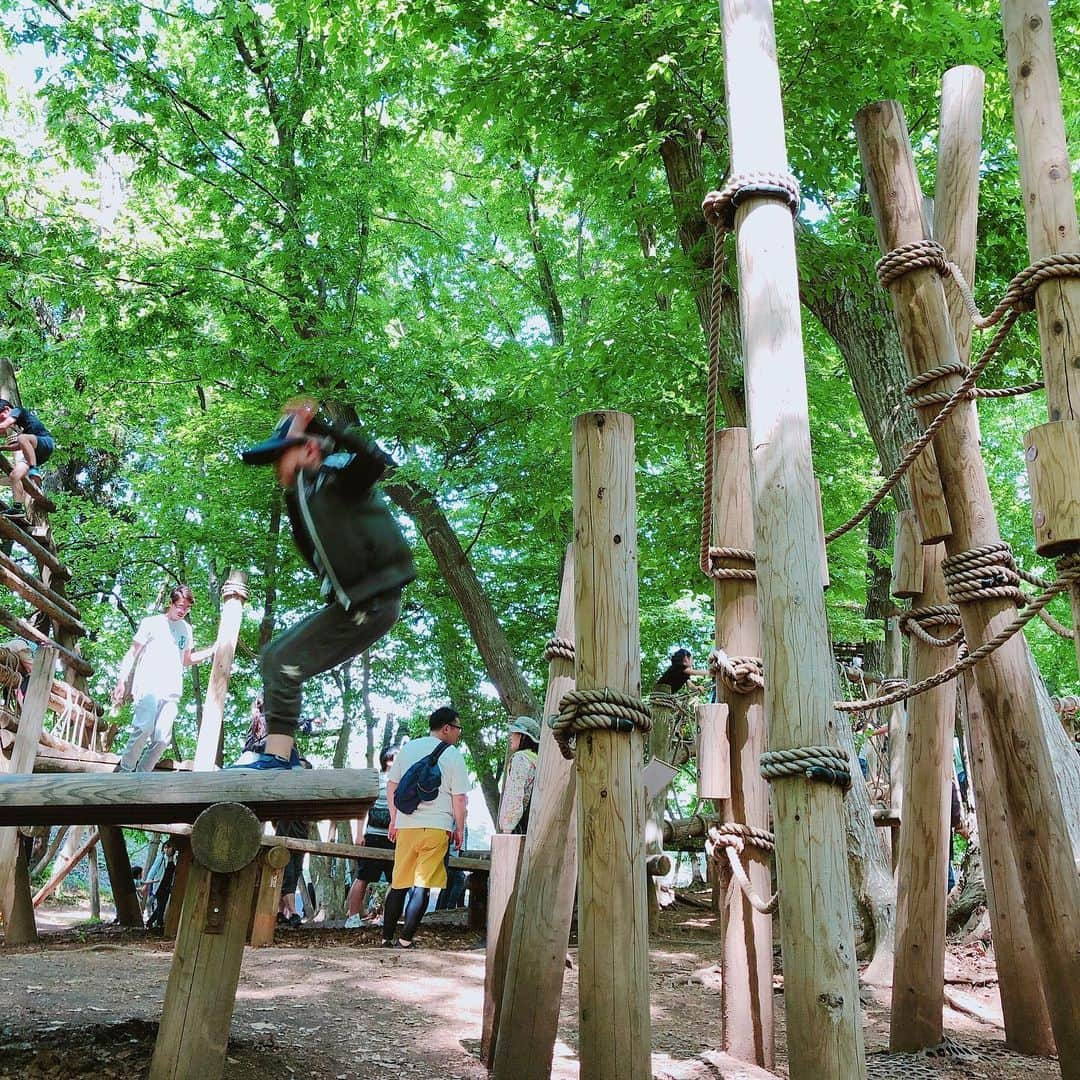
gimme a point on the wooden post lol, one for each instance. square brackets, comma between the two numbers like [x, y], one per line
[126, 899]
[1023, 1004]
[233, 594]
[31, 720]
[664, 721]
[20, 928]
[201, 993]
[70, 862]
[918, 985]
[506, 852]
[824, 1023]
[268, 897]
[747, 1016]
[1050, 211]
[545, 901]
[1027, 1023]
[175, 906]
[1021, 755]
[613, 936]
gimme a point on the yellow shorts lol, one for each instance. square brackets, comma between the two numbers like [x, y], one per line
[418, 859]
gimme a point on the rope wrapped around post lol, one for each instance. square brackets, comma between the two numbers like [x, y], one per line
[916, 622]
[559, 649]
[730, 838]
[740, 674]
[825, 764]
[719, 209]
[597, 710]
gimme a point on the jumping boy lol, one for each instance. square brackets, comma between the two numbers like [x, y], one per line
[347, 535]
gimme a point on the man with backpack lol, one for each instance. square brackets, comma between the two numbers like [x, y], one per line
[427, 789]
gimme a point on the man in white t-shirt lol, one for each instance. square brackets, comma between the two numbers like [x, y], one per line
[422, 837]
[155, 665]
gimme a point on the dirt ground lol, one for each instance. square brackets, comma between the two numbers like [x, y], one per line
[326, 1004]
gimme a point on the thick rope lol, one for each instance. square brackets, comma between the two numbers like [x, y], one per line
[1068, 568]
[823, 763]
[731, 838]
[740, 674]
[917, 621]
[1019, 297]
[719, 209]
[559, 649]
[597, 710]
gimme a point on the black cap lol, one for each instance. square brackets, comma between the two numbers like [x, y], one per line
[269, 450]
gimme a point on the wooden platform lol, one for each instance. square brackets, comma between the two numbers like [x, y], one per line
[131, 798]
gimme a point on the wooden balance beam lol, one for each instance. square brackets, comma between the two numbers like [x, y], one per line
[122, 798]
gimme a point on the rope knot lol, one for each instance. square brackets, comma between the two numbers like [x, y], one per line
[597, 710]
[740, 674]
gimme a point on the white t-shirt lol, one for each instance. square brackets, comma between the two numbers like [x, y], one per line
[160, 668]
[439, 813]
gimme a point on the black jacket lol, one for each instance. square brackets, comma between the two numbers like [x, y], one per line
[345, 530]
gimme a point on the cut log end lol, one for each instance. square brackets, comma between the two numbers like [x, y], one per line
[225, 837]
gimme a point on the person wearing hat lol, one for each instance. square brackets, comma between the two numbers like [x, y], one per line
[520, 777]
[30, 441]
[347, 535]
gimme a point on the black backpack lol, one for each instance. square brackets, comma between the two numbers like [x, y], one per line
[421, 781]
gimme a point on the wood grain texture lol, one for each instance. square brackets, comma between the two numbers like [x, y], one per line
[506, 853]
[926, 497]
[1020, 750]
[921, 873]
[233, 595]
[268, 897]
[23, 753]
[748, 1017]
[613, 948]
[824, 1023]
[118, 799]
[201, 992]
[1027, 1021]
[529, 1018]
[907, 568]
[1049, 198]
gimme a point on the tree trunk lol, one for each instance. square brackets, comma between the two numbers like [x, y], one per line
[680, 151]
[502, 668]
[838, 286]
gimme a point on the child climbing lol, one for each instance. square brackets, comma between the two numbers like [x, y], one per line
[29, 439]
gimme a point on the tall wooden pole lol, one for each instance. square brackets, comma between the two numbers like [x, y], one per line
[918, 994]
[506, 852]
[1027, 1023]
[1023, 1004]
[1022, 758]
[613, 937]
[1049, 206]
[747, 1020]
[233, 594]
[824, 1022]
[532, 992]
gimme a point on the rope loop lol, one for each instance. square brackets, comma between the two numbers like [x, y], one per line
[559, 649]
[597, 710]
[918, 621]
[729, 839]
[740, 674]
[826, 764]
[719, 206]
[731, 573]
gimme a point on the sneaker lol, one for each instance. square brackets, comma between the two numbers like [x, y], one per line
[271, 761]
[294, 919]
[353, 922]
[34, 473]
